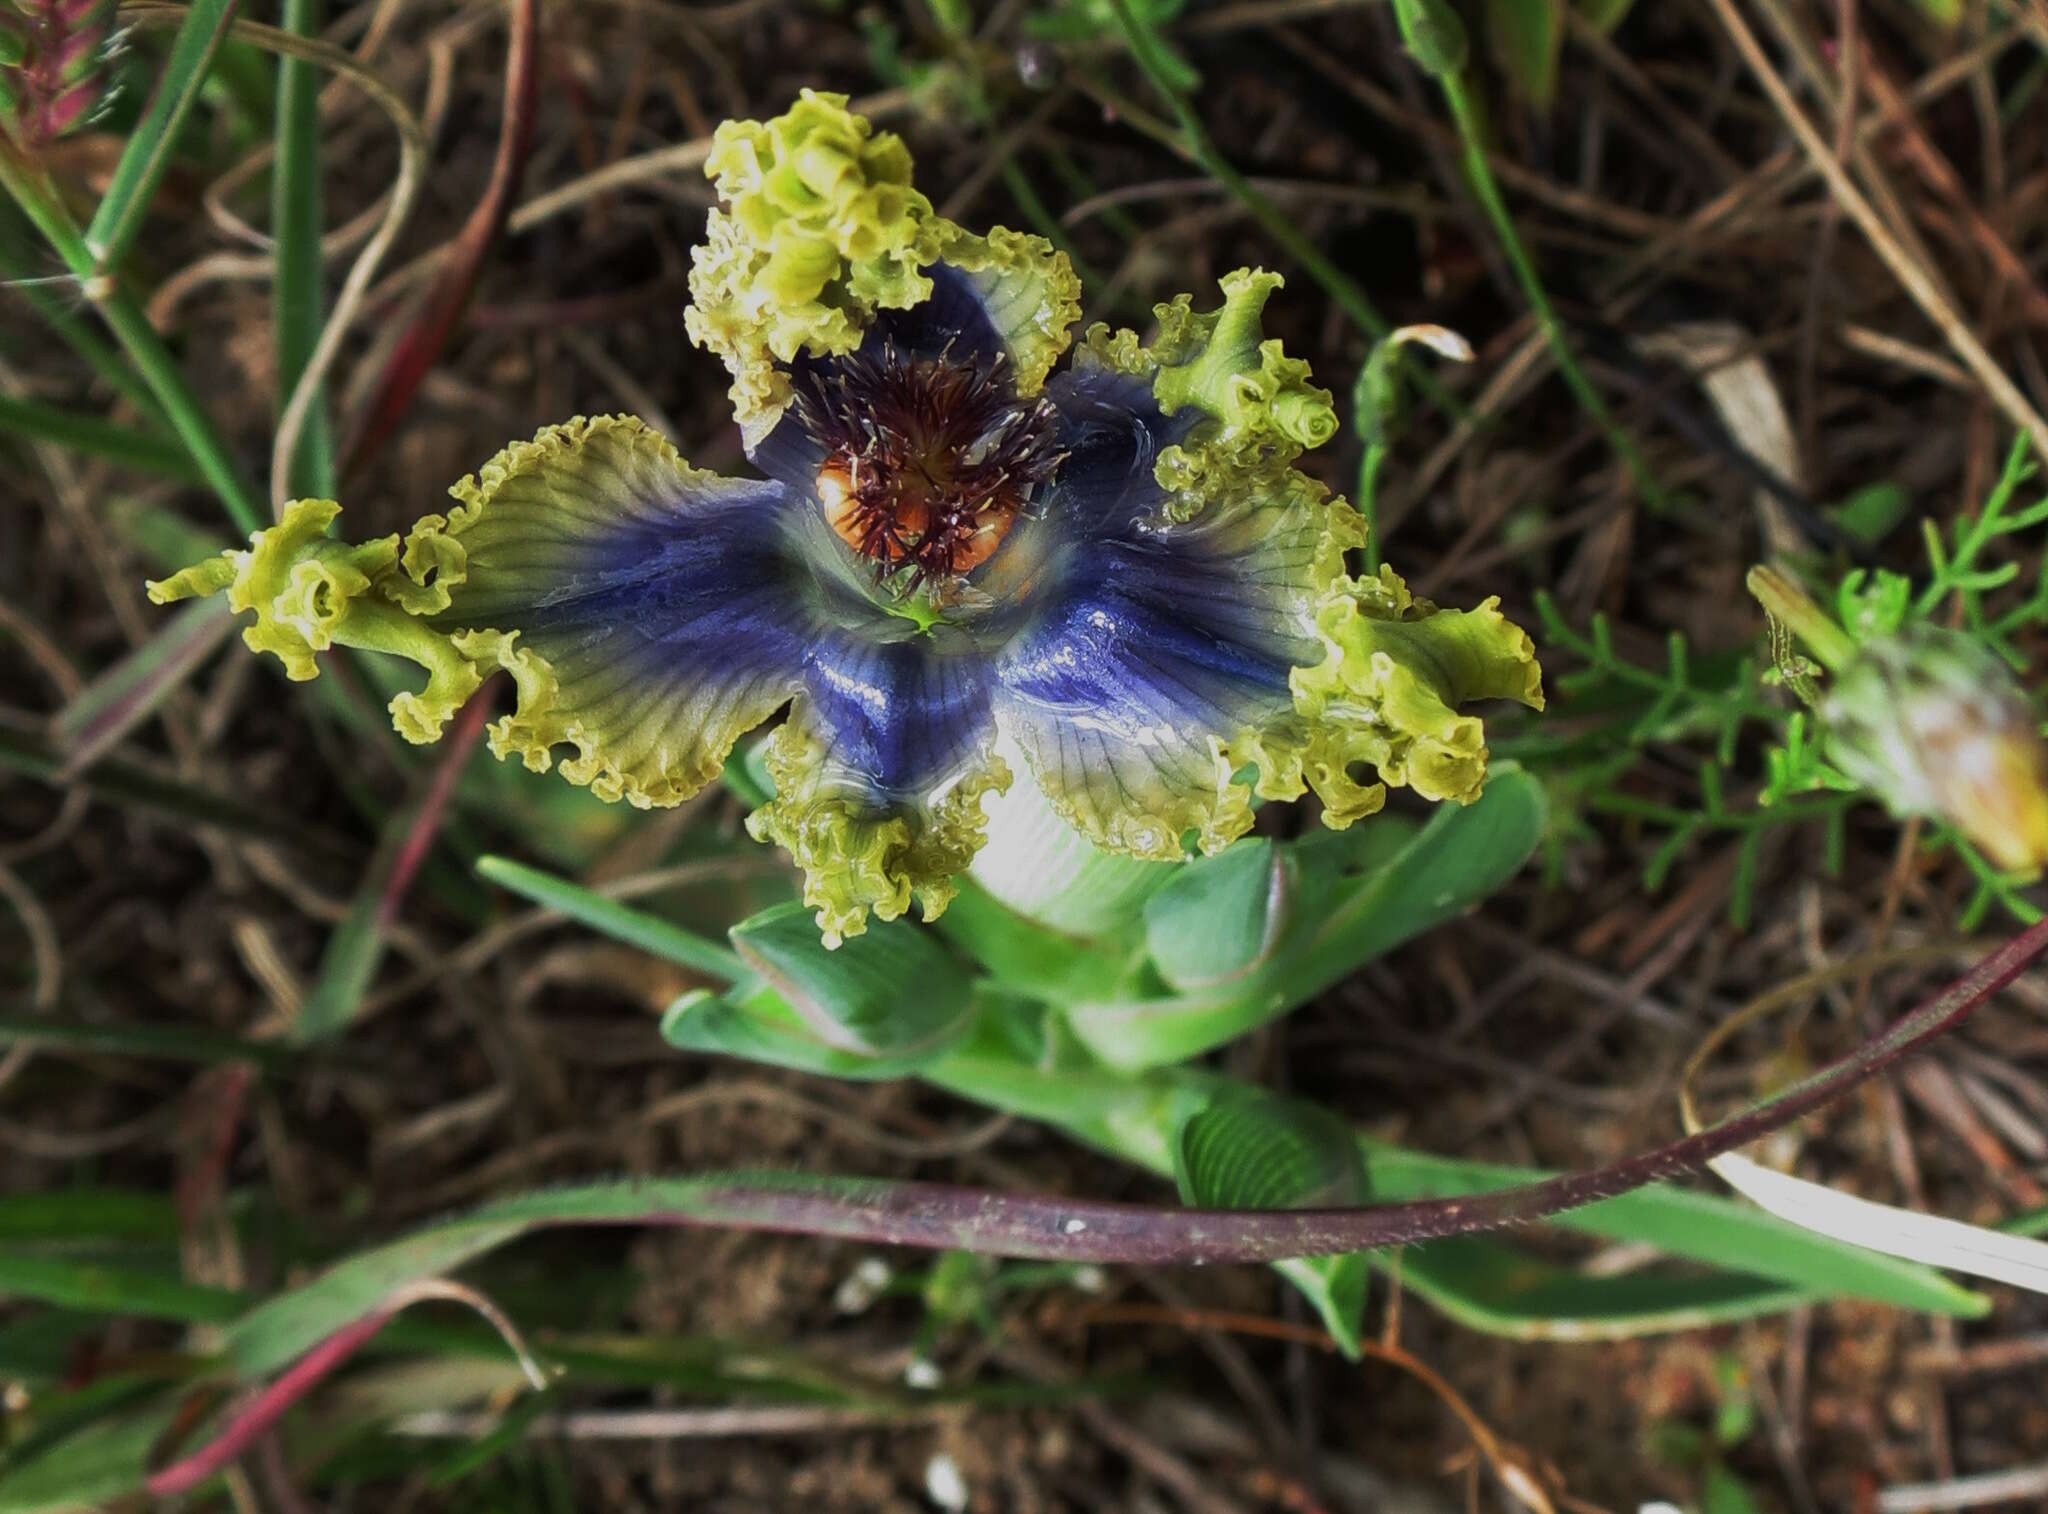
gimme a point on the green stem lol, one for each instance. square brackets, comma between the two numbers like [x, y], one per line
[1480, 176]
[1369, 502]
[1789, 605]
[144, 347]
[153, 143]
[295, 223]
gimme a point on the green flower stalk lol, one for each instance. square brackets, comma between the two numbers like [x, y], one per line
[992, 571]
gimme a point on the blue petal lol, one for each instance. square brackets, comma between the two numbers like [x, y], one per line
[1156, 645]
[667, 604]
[899, 718]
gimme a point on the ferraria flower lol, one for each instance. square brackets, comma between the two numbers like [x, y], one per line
[968, 566]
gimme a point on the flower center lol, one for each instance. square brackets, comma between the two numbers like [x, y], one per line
[929, 461]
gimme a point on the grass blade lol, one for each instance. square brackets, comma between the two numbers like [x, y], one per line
[129, 692]
[296, 207]
[148, 151]
[648, 932]
[143, 451]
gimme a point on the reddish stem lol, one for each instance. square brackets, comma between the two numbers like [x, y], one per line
[265, 1407]
[441, 310]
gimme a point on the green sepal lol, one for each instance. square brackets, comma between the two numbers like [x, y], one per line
[753, 1024]
[822, 228]
[858, 856]
[1219, 918]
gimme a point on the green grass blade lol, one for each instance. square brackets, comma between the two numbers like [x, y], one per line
[648, 932]
[1698, 1226]
[143, 451]
[296, 202]
[148, 152]
[158, 1042]
[1503, 1290]
[126, 694]
[124, 1291]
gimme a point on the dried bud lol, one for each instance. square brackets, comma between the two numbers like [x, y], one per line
[1935, 725]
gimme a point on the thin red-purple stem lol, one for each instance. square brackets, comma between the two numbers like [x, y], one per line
[441, 310]
[958, 1218]
[265, 1407]
[433, 806]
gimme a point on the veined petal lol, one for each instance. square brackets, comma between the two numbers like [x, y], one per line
[649, 614]
[1196, 617]
[1028, 293]
[879, 776]
[1160, 657]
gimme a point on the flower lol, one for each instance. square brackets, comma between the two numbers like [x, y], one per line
[1928, 719]
[1935, 724]
[961, 566]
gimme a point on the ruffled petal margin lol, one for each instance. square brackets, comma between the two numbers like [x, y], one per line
[644, 609]
[1216, 634]
[822, 233]
[649, 615]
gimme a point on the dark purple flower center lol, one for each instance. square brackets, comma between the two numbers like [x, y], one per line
[928, 461]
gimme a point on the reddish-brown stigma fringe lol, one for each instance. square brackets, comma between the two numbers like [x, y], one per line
[929, 461]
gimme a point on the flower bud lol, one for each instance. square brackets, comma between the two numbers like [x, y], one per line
[1935, 725]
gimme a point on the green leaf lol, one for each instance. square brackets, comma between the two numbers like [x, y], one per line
[1870, 514]
[1219, 917]
[1722, 1492]
[72, 1284]
[1363, 892]
[1433, 34]
[1460, 857]
[1524, 37]
[89, 1468]
[1700, 1227]
[608, 917]
[893, 991]
[1943, 13]
[760, 1027]
[1490, 1285]
[1604, 15]
[1255, 1150]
